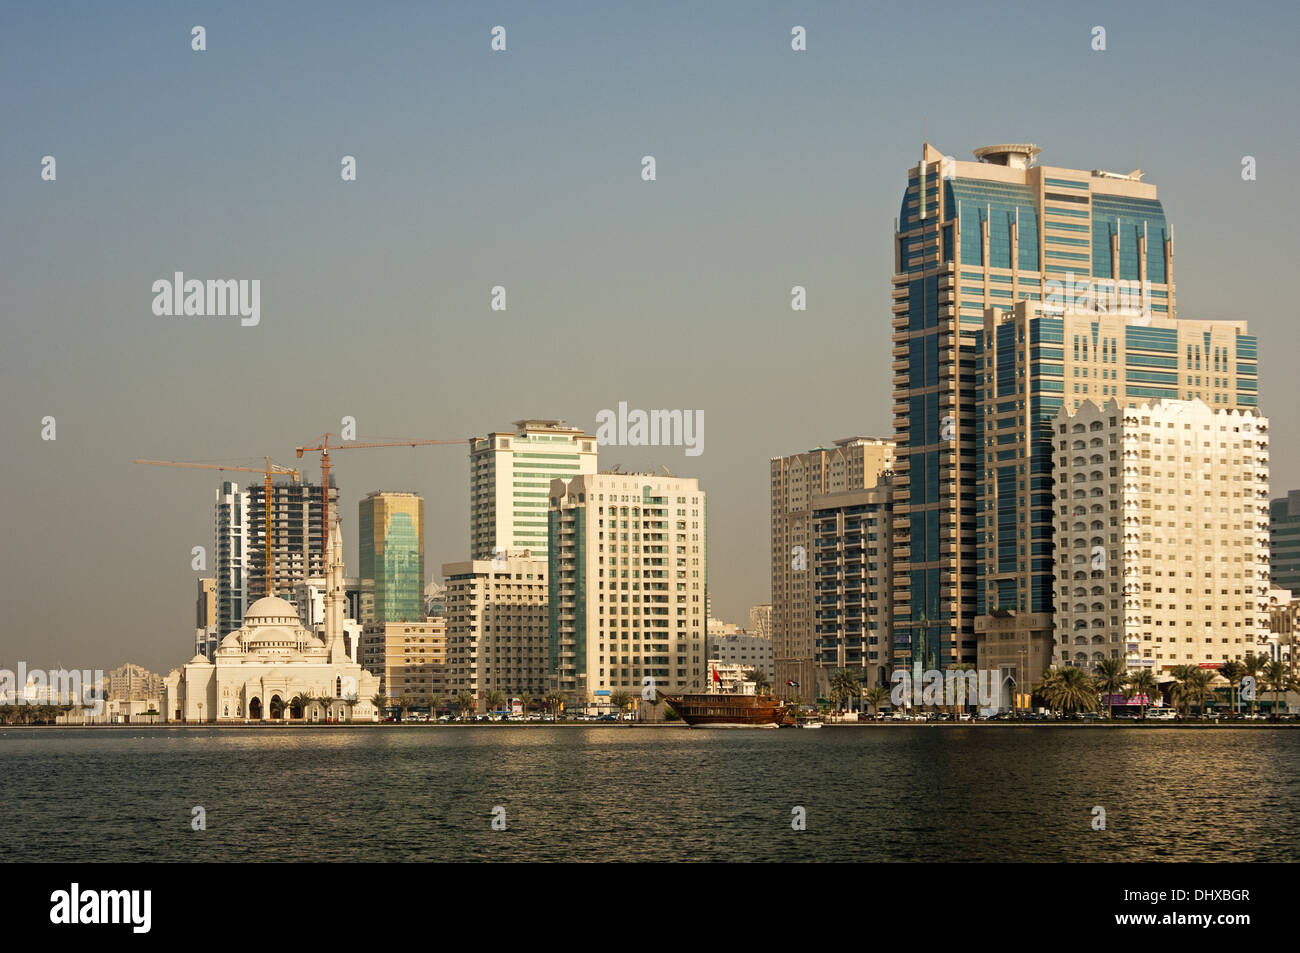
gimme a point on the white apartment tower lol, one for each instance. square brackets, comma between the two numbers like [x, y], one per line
[1162, 534]
[510, 480]
[628, 575]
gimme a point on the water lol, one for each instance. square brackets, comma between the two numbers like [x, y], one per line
[878, 793]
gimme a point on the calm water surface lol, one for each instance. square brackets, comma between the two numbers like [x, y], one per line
[897, 793]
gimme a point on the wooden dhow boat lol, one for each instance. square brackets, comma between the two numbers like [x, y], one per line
[717, 710]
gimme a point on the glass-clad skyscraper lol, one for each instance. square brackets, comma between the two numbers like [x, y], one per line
[391, 551]
[970, 236]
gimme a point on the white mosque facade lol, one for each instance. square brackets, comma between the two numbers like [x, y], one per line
[273, 669]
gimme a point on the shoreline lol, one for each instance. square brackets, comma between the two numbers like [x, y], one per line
[173, 726]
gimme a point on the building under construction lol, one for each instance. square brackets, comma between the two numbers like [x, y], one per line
[297, 542]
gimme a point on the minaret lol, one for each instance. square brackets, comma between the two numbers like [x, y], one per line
[334, 599]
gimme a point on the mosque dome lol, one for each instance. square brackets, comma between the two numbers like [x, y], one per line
[271, 610]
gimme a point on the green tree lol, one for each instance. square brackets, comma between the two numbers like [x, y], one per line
[303, 700]
[1182, 691]
[875, 697]
[495, 700]
[958, 706]
[1254, 666]
[1068, 690]
[380, 701]
[465, 702]
[1111, 676]
[1143, 684]
[555, 702]
[1277, 678]
[326, 702]
[404, 702]
[843, 686]
[762, 684]
[1232, 671]
[1192, 687]
[620, 701]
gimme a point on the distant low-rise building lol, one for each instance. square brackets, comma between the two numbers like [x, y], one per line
[410, 659]
[740, 648]
[729, 678]
[133, 682]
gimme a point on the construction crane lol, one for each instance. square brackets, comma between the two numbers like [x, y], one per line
[269, 470]
[324, 448]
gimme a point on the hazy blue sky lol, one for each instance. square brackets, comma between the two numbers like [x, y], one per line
[523, 169]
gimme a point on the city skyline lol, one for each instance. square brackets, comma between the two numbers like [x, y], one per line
[759, 190]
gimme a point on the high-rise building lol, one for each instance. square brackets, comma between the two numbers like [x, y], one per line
[232, 533]
[205, 618]
[760, 620]
[510, 480]
[1162, 549]
[497, 637]
[853, 463]
[628, 584]
[1033, 360]
[298, 543]
[971, 235]
[391, 551]
[1284, 541]
[852, 567]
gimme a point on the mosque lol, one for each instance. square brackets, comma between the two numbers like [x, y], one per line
[272, 669]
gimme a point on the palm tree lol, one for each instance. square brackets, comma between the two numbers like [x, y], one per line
[1143, 684]
[432, 699]
[1181, 692]
[1277, 677]
[404, 701]
[762, 684]
[303, 700]
[1111, 676]
[380, 701]
[958, 705]
[465, 702]
[620, 701]
[495, 700]
[1254, 665]
[1068, 689]
[875, 696]
[843, 686]
[348, 702]
[326, 703]
[1199, 688]
[1232, 671]
[555, 701]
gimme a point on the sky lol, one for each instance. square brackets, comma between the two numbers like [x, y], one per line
[522, 169]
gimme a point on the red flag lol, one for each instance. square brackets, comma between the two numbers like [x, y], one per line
[717, 678]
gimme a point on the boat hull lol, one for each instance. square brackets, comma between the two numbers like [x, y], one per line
[727, 711]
